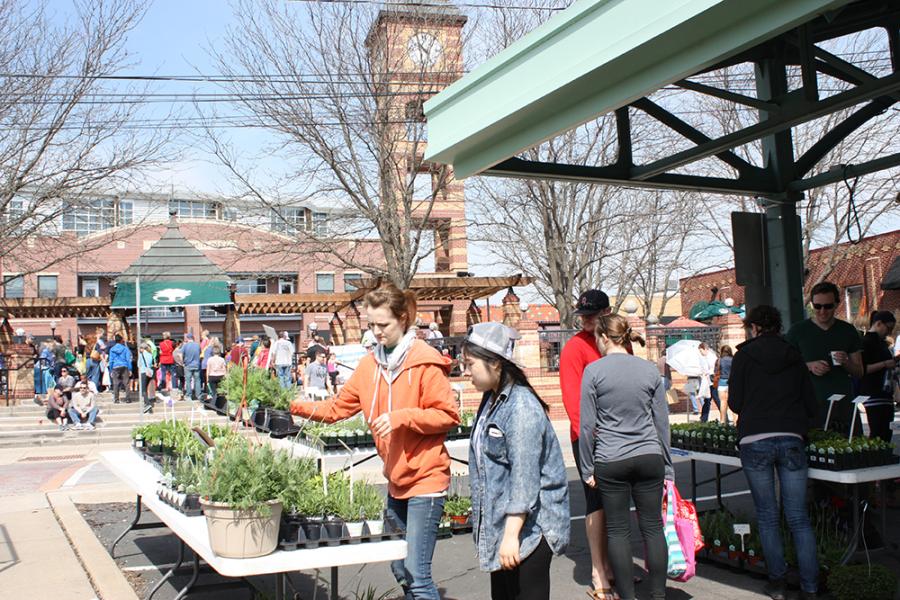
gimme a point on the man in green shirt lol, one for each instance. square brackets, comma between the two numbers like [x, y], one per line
[832, 349]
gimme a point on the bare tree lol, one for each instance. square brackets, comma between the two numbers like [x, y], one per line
[342, 89]
[65, 145]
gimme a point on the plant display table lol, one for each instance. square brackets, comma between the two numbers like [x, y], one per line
[142, 477]
[850, 477]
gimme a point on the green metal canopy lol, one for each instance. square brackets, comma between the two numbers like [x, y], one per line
[172, 293]
[589, 60]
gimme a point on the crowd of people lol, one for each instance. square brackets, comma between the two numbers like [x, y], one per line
[775, 386]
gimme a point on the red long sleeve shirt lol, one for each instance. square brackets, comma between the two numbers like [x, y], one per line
[579, 352]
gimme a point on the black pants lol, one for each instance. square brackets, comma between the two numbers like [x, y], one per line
[880, 418]
[119, 377]
[529, 581]
[639, 478]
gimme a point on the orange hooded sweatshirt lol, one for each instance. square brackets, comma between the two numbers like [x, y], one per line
[422, 409]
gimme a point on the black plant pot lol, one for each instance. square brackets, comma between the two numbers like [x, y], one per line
[260, 419]
[312, 529]
[280, 421]
[333, 529]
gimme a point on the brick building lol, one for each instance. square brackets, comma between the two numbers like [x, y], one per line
[858, 269]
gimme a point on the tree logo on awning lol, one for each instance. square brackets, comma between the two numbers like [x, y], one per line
[171, 295]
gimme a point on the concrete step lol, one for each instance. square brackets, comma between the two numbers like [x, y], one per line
[50, 435]
[109, 413]
[105, 405]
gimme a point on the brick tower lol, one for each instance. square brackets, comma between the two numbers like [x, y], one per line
[415, 52]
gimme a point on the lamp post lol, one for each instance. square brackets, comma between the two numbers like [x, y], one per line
[53, 329]
[20, 335]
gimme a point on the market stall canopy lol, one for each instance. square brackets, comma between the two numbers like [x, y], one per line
[600, 56]
[704, 311]
[891, 280]
[172, 272]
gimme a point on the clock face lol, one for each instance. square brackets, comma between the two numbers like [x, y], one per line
[424, 49]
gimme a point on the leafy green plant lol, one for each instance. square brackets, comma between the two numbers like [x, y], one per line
[262, 388]
[458, 505]
[862, 582]
[371, 593]
[243, 477]
[369, 500]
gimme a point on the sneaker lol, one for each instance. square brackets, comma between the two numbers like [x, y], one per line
[776, 589]
[89, 427]
[148, 408]
[63, 427]
[78, 427]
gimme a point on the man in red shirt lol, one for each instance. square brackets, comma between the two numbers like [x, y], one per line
[166, 361]
[580, 351]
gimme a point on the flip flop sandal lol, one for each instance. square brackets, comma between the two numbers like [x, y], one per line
[603, 594]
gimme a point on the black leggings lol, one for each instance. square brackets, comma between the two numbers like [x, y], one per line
[639, 478]
[529, 581]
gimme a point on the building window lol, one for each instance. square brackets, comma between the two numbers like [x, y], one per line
[96, 215]
[351, 281]
[47, 286]
[289, 219]
[853, 295]
[250, 286]
[90, 287]
[287, 286]
[193, 209]
[15, 211]
[14, 286]
[324, 283]
[320, 223]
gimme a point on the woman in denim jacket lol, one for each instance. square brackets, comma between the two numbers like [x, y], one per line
[520, 499]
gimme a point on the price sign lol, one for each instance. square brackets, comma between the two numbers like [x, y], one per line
[742, 529]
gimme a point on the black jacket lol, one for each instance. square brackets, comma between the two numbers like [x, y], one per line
[770, 388]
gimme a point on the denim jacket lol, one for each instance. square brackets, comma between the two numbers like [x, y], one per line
[516, 467]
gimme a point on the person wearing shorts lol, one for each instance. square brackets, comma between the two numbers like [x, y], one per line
[580, 351]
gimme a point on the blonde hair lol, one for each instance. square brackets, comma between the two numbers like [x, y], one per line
[617, 330]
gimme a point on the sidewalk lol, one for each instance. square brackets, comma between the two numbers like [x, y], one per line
[36, 559]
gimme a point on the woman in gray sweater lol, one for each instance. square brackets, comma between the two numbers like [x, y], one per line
[624, 448]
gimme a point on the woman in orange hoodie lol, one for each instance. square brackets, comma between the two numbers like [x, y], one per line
[403, 391]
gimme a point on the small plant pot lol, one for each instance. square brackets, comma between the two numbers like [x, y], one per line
[355, 528]
[375, 527]
[459, 519]
[333, 529]
[260, 419]
[312, 529]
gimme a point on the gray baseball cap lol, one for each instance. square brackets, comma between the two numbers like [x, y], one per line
[496, 338]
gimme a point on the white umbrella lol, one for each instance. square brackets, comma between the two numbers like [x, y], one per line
[684, 357]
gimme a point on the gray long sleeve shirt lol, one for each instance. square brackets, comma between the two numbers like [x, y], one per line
[623, 412]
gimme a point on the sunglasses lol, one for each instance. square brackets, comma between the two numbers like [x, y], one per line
[828, 306]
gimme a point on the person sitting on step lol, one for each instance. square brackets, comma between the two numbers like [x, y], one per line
[82, 408]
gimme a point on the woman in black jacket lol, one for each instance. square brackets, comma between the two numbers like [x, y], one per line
[771, 390]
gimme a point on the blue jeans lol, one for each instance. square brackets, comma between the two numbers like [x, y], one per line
[39, 381]
[704, 412]
[760, 460]
[76, 417]
[420, 516]
[284, 375]
[93, 372]
[167, 370]
[192, 385]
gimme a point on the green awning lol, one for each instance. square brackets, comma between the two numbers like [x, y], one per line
[172, 293]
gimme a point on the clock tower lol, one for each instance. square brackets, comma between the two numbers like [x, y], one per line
[415, 52]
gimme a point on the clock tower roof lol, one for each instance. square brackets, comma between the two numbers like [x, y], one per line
[426, 8]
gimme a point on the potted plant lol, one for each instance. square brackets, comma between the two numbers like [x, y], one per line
[458, 508]
[239, 494]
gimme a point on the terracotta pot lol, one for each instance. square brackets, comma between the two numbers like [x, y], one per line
[241, 533]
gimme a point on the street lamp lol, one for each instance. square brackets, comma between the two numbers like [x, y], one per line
[20, 335]
[53, 328]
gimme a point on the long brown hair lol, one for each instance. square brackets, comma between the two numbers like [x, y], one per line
[617, 330]
[402, 303]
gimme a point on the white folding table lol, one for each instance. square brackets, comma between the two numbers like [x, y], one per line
[142, 477]
[850, 477]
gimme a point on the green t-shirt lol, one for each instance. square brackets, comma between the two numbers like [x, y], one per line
[816, 343]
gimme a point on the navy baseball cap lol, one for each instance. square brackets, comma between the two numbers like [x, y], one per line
[591, 302]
